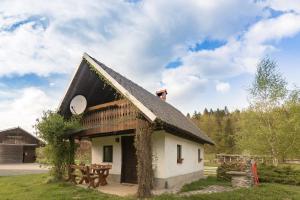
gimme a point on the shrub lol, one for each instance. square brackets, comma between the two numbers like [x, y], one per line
[41, 155]
[53, 129]
[226, 167]
[283, 175]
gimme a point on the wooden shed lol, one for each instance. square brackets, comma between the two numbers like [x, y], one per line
[18, 146]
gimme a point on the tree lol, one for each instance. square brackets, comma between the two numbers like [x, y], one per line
[205, 112]
[53, 129]
[144, 158]
[226, 111]
[263, 127]
[229, 136]
[269, 87]
[219, 126]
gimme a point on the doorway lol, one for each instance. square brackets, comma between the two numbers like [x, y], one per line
[129, 160]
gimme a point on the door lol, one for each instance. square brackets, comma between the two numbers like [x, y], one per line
[28, 154]
[129, 160]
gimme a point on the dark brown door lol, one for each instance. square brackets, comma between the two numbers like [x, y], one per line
[129, 160]
[28, 154]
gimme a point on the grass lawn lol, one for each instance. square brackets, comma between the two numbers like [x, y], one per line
[32, 187]
[294, 166]
[203, 183]
[263, 192]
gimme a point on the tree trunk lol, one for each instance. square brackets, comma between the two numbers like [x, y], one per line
[72, 151]
[143, 146]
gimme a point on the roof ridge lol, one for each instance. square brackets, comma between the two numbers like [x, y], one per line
[165, 104]
[18, 127]
[152, 107]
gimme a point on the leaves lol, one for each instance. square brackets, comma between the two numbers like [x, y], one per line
[53, 128]
[269, 85]
[270, 125]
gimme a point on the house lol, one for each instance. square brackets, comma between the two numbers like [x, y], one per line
[111, 105]
[18, 146]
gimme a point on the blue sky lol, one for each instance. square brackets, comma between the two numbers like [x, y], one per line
[204, 52]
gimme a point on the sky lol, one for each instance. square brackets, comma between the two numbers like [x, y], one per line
[204, 53]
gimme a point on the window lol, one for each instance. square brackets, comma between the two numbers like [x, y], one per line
[199, 155]
[108, 153]
[179, 154]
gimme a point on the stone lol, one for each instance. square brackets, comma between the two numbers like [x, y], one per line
[208, 190]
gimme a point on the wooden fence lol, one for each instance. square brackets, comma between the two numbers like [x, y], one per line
[221, 158]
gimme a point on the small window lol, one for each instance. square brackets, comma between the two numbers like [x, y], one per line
[108, 153]
[179, 154]
[199, 155]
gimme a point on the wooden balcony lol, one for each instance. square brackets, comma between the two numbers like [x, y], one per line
[110, 117]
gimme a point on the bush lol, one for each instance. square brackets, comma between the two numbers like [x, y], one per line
[226, 167]
[283, 175]
[41, 155]
[53, 129]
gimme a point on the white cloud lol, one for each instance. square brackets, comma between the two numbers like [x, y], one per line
[222, 87]
[284, 5]
[134, 38]
[286, 25]
[24, 107]
[138, 40]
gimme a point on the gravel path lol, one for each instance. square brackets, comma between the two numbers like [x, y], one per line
[208, 190]
[21, 169]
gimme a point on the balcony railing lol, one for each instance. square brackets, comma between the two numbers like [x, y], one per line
[110, 117]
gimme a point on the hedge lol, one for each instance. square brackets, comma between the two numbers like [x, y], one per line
[283, 175]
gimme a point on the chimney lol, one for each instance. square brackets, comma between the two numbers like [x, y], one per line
[162, 94]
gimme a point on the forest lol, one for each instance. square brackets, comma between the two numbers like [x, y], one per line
[269, 126]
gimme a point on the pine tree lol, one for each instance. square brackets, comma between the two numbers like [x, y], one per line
[205, 112]
[226, 111]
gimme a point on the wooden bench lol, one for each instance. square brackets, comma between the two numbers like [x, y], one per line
[101, 171]
[85, 175]
[72, 175]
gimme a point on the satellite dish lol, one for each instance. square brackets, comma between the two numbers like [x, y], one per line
[78, 105]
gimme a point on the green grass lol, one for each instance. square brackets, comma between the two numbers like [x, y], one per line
[263, 192]
[203, 183]
[33, 187]
[294, 166]
[209, 160]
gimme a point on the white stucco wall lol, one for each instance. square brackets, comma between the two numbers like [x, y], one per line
[189, 154]
[97, 152]
[164, 148]
[165, 155]
[158, 152]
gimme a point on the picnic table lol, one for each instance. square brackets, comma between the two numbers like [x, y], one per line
[102, 171]
[89, 174]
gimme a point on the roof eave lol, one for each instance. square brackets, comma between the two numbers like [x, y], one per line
[173, 129]
[146, 111]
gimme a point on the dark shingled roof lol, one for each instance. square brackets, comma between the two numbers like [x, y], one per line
[163, 110]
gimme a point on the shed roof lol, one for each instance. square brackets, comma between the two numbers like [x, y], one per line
[20, 130]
